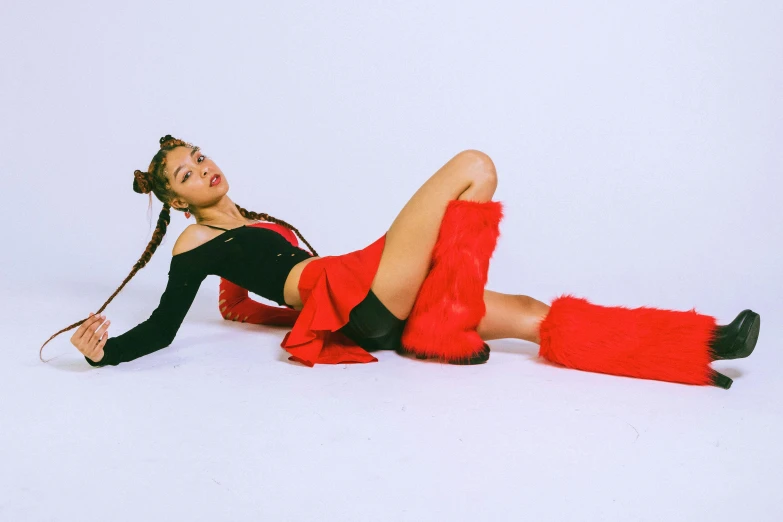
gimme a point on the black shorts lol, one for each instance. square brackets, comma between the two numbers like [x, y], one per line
[372, 326]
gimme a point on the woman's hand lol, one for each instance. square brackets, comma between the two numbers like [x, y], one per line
[91, 336]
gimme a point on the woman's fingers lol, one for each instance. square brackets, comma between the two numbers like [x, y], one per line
[97, 353]
[94, 348]
[91, 335]
[86, 328]
[96, 335]
[85, 331]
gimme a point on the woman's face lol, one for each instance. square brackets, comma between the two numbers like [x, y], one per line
[190, 175]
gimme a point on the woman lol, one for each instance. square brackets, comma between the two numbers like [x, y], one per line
[419, 288]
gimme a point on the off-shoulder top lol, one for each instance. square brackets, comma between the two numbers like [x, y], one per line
[255, 258]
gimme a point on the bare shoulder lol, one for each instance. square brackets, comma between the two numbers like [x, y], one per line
[190, 238]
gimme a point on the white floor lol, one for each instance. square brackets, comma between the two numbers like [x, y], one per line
[221, 426]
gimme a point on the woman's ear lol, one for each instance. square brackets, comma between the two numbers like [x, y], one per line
[177, 203]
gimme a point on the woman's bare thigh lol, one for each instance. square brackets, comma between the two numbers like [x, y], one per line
[407, 252]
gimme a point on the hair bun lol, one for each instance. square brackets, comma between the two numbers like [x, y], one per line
[141, 182]
[165, 138]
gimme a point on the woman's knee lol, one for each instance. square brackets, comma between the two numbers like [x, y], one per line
[480, 169]
[479, 166]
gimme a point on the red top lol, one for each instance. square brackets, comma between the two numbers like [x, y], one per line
[329, 287]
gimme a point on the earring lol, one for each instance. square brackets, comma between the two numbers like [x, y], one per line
[187, 213]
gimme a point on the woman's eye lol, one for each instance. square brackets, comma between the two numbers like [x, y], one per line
[186, 176]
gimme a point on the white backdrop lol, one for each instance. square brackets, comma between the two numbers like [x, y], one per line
[638, 149]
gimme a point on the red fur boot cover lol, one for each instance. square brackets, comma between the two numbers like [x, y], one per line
[450, 303]
[644, 342]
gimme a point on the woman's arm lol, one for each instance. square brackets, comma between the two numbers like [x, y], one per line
[235, 305]
[159, 330]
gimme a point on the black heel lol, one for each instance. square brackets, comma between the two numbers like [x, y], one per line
[737, 339]
[721, 381]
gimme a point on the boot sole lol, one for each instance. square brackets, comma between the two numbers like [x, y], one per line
[746, 339]
[480, 358]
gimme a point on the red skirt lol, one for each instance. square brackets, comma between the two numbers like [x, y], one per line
[329, 288]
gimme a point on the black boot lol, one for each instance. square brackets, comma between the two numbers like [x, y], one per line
[738, 338]
[481, 357]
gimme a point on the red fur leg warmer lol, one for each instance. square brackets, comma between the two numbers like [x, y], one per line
[450, 303]
[644, 342]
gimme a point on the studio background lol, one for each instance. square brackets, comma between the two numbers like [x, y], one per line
[638, 151]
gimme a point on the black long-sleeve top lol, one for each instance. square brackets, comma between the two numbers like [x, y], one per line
[258, 259]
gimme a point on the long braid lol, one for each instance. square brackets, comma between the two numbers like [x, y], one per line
[152, 182]
[156, 182]
[249, 214]
[157, 236]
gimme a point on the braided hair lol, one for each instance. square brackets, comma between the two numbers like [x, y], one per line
[155, 181]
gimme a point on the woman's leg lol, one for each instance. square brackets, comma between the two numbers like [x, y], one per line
[511, 316]
[643, 342]
[407, 252]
